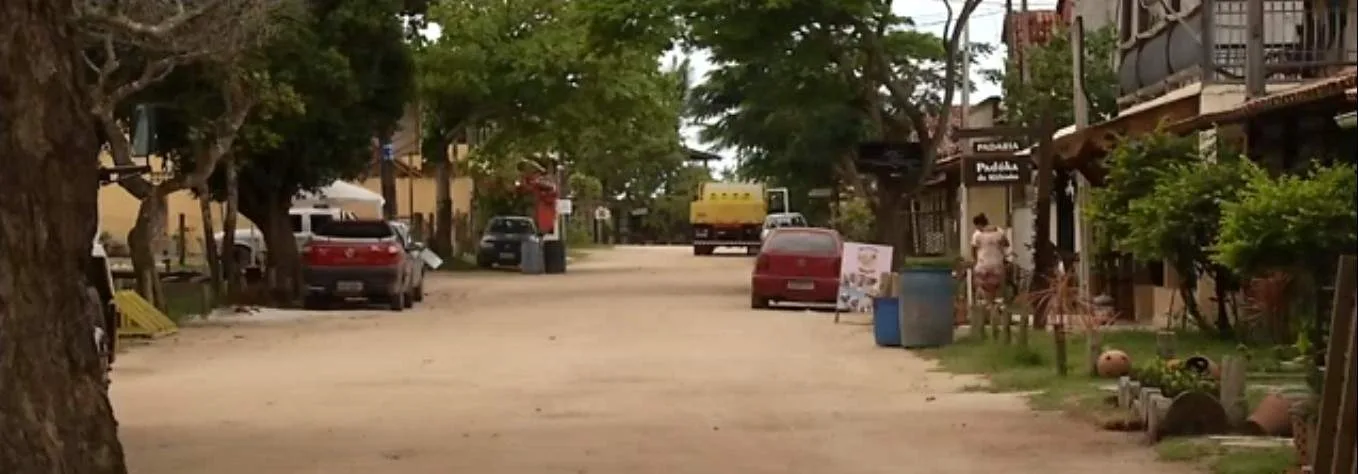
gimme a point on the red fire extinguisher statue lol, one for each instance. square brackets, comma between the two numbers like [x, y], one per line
[545, 194]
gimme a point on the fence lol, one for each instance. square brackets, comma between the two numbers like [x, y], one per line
[1334, 451]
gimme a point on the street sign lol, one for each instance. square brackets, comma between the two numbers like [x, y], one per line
[388, 152]
[602, 214]
[820, 193]
[564, 207]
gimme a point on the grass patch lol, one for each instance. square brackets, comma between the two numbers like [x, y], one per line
[1220, 459]
[185, 300]
[1011, 368]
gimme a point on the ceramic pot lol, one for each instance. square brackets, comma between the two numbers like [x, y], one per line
[1273, 417]
[1113, 364]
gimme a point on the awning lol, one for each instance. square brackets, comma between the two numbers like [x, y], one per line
[1326, 89]
[340, 193]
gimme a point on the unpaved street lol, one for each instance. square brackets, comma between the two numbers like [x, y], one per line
[641, 360]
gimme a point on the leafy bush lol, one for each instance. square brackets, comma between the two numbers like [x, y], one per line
[854, 220]
[1290, 221]
[1173, 378]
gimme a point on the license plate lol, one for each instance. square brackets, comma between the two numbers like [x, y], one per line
[801, 285]
[349, 286]
[506, 254]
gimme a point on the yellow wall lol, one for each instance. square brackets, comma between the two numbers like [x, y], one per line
[118, 209]
[991, 200]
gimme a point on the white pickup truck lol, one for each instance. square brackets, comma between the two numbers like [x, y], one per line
[249, 249]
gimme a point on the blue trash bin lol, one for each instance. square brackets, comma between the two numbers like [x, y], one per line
[886, 321]
[926, 311]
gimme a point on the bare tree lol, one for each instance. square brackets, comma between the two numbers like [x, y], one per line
[133, 44]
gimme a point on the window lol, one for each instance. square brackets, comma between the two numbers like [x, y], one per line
[511, 226]
[803, 242]
[296, 222]
[356, 230]
[320, 220]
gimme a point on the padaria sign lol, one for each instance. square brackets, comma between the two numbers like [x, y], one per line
[996, 171]
[995, 146]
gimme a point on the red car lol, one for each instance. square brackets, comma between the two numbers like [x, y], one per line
[797, 264]
[362, 259]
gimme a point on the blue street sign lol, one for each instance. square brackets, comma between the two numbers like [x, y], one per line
[388, 152]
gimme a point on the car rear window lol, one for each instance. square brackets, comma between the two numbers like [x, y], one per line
[816, 243]
[510, 226]
[356, 230]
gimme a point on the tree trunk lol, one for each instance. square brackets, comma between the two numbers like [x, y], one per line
[143, 242]
[887, 229]
[56, 413]
[443, 214]
[284, 264]
[210, 250]
[231, 270]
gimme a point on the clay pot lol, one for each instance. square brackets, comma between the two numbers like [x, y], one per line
[1273, 417]
[1114, 363]
[1204, 366]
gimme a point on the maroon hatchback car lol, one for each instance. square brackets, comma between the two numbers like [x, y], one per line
[797, 264]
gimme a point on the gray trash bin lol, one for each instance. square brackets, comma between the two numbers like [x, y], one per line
[530, 256]
[926, 307]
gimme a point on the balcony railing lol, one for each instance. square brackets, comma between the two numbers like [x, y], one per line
[1298, 40]
[1301, 39]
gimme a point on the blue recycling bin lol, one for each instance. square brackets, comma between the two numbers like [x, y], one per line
[926, 308]
[886, 321]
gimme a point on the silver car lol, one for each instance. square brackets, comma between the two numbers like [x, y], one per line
[781, 219]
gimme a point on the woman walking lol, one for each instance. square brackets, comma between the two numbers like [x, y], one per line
[989, 247]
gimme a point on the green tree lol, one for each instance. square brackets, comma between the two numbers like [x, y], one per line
[351, 88]
[1050, 87]
[527, 72]
[1178, 222]
[834, 60]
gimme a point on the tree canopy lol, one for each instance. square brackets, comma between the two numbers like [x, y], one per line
[528, 71]
[1049, 87]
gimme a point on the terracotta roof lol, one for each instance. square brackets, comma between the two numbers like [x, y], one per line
[1327, 89]
[1035, 26]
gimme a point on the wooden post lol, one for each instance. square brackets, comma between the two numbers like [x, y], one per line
[182, 235]
[1007, 318]
[1059, 335]
[1337, 392]
[1232, 394]
[1164, 344]
[1094, 346]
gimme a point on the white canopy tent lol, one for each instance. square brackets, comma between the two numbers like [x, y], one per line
[340, 193]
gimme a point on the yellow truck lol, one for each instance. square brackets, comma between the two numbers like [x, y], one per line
[727, 215]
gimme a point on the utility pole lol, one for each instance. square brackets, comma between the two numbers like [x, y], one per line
[965, 122]
[1254, 49]
[1081, 101]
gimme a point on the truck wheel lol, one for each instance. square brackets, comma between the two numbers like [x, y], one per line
[397, 302]
[484, 263]
[703, 249]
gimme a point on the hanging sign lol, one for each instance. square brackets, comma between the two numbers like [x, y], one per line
[996, 171]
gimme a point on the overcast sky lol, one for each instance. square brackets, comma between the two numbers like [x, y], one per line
[929, 15]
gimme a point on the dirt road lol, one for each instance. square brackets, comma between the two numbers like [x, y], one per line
[641, 360]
